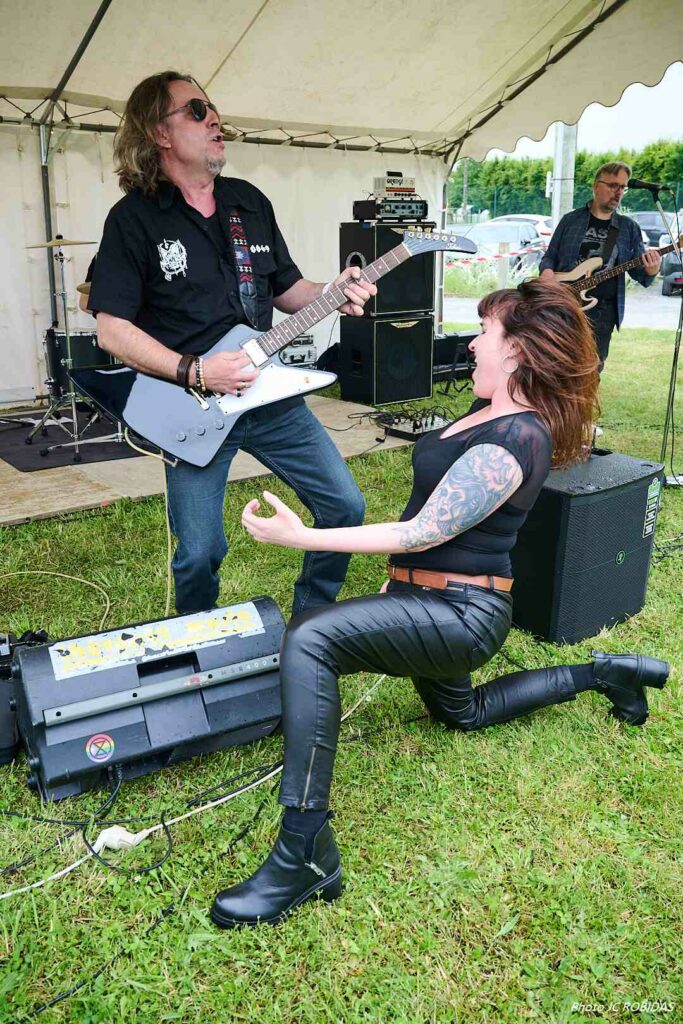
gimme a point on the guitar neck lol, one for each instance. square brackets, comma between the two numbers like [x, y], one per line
[586, 283]
[281, 335]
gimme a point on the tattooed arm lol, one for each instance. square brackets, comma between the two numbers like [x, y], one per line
[474, 487]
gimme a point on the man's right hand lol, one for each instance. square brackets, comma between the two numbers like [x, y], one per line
[229, 373]
[547, 274]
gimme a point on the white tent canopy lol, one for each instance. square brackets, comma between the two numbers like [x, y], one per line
[425, 81]
[449, 76]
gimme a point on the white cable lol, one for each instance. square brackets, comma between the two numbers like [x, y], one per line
[118, 838]
[64, 575]
[44, 881]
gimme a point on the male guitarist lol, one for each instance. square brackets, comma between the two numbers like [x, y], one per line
[598, 230]
[185, 256]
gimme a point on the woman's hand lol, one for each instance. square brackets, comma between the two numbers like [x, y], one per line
[284, 528]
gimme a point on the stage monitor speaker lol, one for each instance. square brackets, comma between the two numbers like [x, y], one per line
[140, 698]
[409, 288]
[582, 557]
[383, 361]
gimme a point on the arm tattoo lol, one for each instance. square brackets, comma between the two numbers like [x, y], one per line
[474, 487]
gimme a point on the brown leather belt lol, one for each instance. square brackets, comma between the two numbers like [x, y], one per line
[441, 580]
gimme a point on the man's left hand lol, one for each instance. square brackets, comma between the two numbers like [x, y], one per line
[651, 262]
[357, 292]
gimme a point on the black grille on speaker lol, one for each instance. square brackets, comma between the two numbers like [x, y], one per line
[582, 558]
[408, 288]
[383, 361]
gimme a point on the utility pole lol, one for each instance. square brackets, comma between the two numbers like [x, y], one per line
[465, 165]
[562, 184]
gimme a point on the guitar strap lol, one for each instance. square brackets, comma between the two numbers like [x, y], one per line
[608, 247]
[243, 268]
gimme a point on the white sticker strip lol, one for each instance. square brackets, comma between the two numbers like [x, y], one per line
[153, 640]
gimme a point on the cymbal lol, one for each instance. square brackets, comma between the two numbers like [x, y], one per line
[84, 288]
[54, 243]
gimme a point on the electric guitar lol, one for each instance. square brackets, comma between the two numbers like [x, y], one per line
[583, 277]
[191, 426]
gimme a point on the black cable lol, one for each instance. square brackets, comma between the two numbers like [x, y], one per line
[12, 869]
[265, 769]
[166, 912]
[98, 815]
[243, 832]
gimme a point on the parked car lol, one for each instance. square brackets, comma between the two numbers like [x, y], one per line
[543, 225]
[671, 269]
[651, 223]
[527, 248]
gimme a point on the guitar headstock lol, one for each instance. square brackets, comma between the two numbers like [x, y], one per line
[417, 241]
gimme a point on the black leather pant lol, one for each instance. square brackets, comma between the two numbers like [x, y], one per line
[437, 637]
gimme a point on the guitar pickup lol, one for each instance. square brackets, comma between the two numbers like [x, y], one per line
[255, 352]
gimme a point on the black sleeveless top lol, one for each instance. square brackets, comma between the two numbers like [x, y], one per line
[485, 548]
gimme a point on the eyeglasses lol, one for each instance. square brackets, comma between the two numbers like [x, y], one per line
[198, 108]
[612, 187]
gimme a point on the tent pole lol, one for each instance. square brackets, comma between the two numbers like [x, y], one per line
[73, 63]
[439, 288]
[44, 136]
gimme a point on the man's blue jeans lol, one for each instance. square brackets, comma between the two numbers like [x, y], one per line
[296, 447]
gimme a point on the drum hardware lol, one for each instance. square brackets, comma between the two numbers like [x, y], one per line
[64, 353]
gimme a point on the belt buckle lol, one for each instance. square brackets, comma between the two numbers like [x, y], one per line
[456, 585]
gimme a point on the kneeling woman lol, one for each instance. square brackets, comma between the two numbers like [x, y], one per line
[447, 607]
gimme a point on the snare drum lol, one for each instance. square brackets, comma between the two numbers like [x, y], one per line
[85, 352]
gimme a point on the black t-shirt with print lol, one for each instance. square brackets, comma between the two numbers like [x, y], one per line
[592, 245]
[170, 271]
[485, 548]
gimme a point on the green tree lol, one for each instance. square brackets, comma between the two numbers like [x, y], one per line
[512, 185]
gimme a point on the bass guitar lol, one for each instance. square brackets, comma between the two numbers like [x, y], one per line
[191, 426]
[584, 277]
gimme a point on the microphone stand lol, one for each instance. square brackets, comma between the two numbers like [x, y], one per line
[675, 480]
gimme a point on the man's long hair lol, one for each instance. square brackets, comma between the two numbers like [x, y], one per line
[136, 154]
[557, 372]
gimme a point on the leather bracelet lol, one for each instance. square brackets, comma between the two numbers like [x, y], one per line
[183, 370]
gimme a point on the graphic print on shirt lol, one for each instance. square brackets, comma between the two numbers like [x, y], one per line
[172, 258]
[593, 242]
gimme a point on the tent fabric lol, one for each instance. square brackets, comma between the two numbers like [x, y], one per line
[312, 192]
[442, 77]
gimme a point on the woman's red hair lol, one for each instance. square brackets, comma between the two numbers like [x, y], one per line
[557, 358]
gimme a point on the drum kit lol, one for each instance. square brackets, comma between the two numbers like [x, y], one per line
[66, 350]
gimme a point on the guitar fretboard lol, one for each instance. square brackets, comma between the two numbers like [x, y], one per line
[282, 334]
[585, 283]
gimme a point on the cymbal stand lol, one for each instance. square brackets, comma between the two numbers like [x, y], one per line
[67, 400]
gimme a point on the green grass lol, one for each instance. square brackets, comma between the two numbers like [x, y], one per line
[495, 877]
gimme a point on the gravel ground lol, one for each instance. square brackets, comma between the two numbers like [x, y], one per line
[645, 307]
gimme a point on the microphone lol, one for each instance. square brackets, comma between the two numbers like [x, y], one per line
[649, 185]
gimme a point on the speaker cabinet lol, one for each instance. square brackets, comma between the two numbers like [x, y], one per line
[383, 361]
[582, 558]
[409, 288]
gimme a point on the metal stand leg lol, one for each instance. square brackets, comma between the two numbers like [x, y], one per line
[54, 407]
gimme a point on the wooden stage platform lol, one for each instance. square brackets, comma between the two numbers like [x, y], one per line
[50, 492]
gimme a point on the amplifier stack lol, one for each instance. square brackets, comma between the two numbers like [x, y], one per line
[386, 355]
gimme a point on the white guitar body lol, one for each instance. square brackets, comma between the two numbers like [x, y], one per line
[583, 270]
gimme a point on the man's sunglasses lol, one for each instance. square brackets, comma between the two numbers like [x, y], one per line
[198, 108]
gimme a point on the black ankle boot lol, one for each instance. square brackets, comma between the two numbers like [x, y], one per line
[285, 880]
[623, 678]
